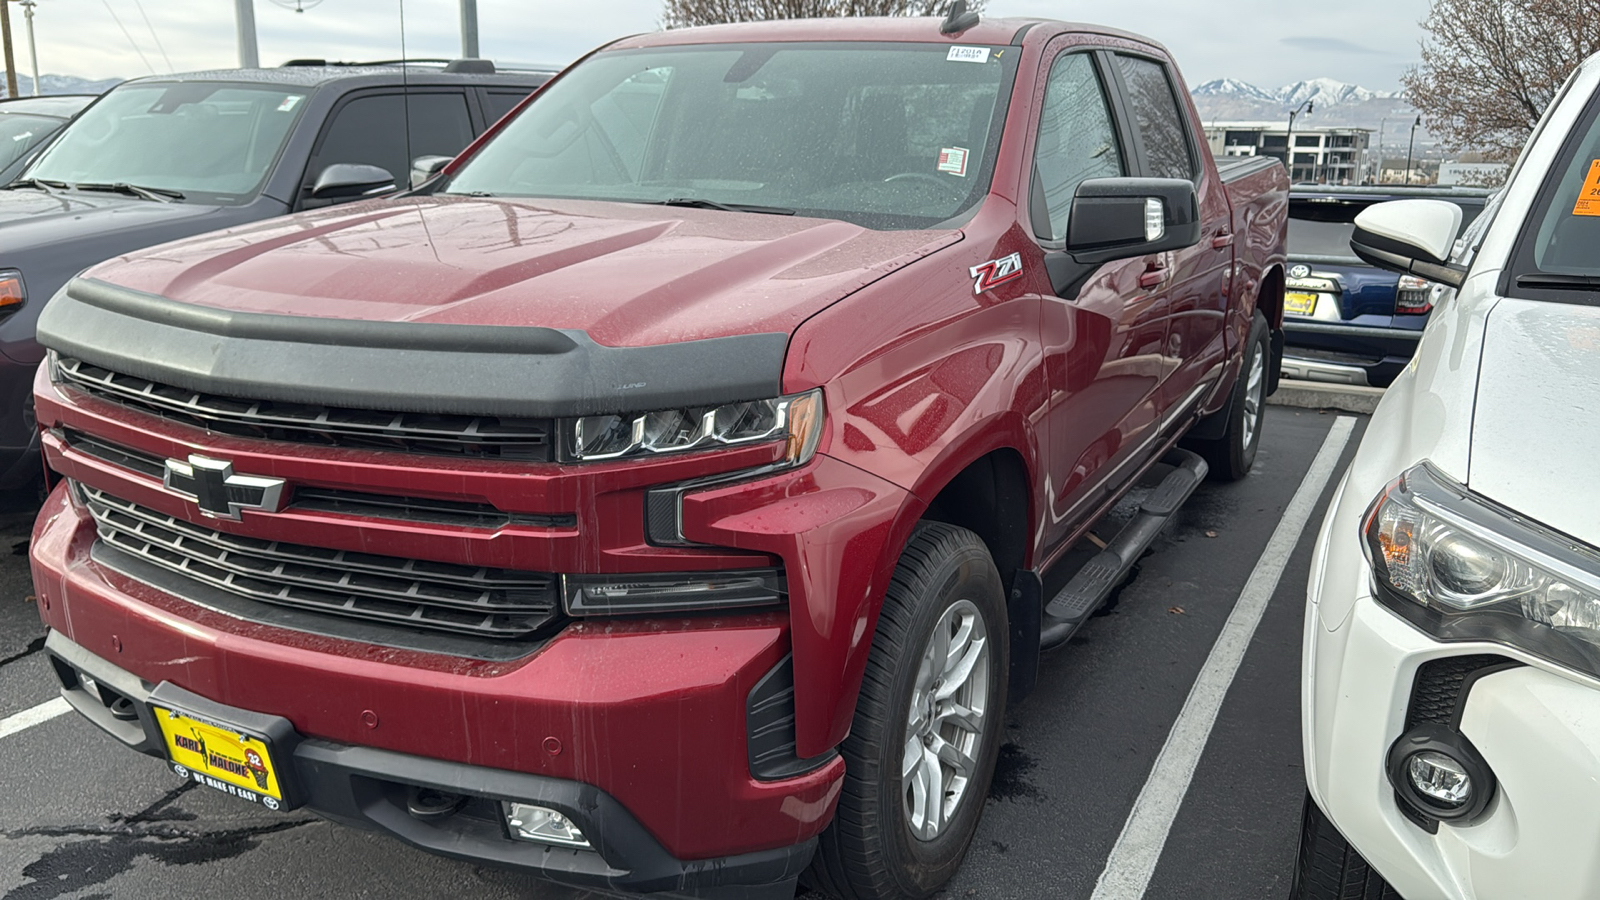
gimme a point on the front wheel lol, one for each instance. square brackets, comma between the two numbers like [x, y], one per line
[1231, 455]
[1328, 868]
[927, 729]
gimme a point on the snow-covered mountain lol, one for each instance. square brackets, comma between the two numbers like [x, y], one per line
[1320, 91]
[60, 84]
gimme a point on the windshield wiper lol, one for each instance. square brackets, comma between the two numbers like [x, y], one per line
[697, 203]
[1560, 282]
[34, 183]
[132, 190]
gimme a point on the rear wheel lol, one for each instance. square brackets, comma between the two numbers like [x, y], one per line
[922, 748]
[1231, 455]
[1328, 868]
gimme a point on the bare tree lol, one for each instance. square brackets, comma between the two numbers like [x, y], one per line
[682, 13]
[1490, 67]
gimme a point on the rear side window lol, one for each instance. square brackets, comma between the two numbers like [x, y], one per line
[497, 103]
[1077, 140]
[1156, 118]
[372, 130]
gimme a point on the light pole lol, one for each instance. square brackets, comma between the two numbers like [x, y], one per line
[5, 49]
[469, 29]
[244, 12]
[1289, 156]
[1410, 144]
[33, 49]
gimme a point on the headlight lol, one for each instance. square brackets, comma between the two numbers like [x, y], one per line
[796, 420]
[12, 292]
[1464, 569]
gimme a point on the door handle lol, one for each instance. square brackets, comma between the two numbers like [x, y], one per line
[1153, 277]
[1222, 240]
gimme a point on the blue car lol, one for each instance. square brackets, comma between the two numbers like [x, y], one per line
[27, 122]
[1344, 321]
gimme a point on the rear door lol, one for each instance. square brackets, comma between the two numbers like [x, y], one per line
[1194, 352]
[1104, 342]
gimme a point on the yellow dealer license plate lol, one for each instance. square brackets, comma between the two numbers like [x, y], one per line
[1299, 304]
[221, 756]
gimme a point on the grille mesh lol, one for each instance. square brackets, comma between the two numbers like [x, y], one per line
[1437, 690]
[485, 602]
[478, 436]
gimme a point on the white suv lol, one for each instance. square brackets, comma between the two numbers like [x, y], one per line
[1451, 689]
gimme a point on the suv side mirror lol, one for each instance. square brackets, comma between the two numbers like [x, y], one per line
[1412, 237]
[352, 181]
[1120, 218]
[425, 167]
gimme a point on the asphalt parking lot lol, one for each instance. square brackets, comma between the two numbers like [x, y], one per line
[80, 817]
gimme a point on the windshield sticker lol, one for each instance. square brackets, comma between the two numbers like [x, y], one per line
[968, 54]
[1589, 197]
[953, 160]
[289, 103]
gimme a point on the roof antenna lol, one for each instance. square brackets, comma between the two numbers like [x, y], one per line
[959, 19]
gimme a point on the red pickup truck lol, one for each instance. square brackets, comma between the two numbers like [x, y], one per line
[660, 498]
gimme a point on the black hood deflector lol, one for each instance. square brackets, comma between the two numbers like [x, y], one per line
[404, 366]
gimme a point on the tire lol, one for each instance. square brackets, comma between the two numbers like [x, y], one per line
[1231, 455]
[884, 842]
[1328, 868]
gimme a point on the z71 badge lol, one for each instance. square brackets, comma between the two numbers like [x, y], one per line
[996, 272]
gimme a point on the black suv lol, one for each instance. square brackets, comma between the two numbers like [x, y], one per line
[168, 157]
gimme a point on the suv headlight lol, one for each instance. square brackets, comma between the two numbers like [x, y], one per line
[795, 419]
[1464, 569]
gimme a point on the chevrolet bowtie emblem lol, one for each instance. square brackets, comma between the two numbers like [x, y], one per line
[219, 493]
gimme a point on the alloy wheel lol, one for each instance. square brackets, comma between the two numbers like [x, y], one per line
[944, 725]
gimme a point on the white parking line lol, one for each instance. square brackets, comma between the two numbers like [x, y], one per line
[1138, 849]
[28, 718]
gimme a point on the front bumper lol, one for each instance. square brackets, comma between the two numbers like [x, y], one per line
[648, 713]
[367, 788]
[1538, 727]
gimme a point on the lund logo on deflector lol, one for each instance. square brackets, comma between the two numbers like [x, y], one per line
[996, 272]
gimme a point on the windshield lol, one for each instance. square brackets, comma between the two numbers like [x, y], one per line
[888, 136]
[1564, 226]
[21, 133]
[1320, 228]
[210, 142]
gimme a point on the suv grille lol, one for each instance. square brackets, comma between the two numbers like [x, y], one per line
[479, 436]
[438, 596]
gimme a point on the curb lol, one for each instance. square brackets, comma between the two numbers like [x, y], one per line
[1316, 395]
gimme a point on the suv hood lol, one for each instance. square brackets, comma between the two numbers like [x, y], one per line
[1534, 436]
[32, 218]
[626, 274]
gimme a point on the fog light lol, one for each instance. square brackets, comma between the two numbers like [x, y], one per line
[543, 825]
[1439, 778]
[1437, 773]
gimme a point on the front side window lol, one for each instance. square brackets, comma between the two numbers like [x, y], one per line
[883, 135]
[21, 133]
[210, 142]
[1077, 137]
[1157, 118]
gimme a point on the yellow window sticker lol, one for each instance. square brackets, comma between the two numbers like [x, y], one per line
[1589, 196]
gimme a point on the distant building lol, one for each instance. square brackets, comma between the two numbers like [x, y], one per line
[1330, 155]
[1473, 174]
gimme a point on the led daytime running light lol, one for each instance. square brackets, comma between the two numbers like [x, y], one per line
[796, 419]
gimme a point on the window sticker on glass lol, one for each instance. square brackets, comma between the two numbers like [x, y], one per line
[1589, 195]
[953, 160]
[968, 54]
[289, 103]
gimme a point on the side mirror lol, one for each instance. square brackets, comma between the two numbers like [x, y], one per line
[1412, 237]
[1119, 218]
[352, 181]
[425, 167]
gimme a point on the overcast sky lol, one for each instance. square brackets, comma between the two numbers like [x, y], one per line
[1266, 42]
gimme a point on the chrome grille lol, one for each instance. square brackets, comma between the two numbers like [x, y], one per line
[481, 601]
[455, 435]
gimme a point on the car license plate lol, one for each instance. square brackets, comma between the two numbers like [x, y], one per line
[1299, 304]
[221, 756]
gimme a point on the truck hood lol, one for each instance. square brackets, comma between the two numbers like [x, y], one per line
[625, 274]
[52, 221]
[1534, 437]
